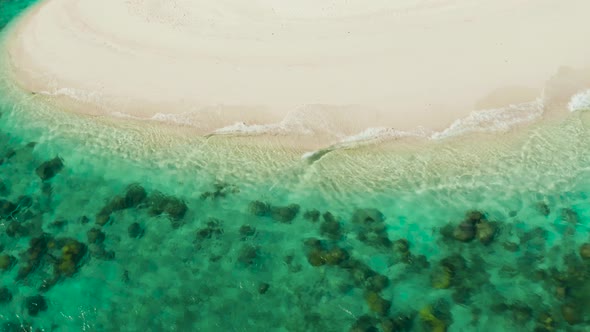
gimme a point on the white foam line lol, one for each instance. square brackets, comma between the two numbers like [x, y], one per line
[580, 101]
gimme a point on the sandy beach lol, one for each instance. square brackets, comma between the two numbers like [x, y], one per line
[337, 68]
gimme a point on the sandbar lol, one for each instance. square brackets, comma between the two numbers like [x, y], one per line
[336, 67]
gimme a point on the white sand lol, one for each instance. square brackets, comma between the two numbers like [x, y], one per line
[348, 65]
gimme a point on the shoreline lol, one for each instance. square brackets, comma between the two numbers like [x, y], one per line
[316, 125]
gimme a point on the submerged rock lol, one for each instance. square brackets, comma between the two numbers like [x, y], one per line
[263, 288]
[399, 323]
[431, 320]
[5, 295]
[312, 215]
[95, 235]
[7, 208]
[213, 229]
[32, 257]
[485, 232]
[35, 304]
[3, 188]
[570, 216]
[72, 253]
[284, 214]
[367, 216]
[134, 196]
[222, 189]
[376, 283]
[465, 231]
[6, 262]
[248, 255]
[259, 209]
[572, 313]
[17, 229]
[247, 231]
[135, 231]
[543, 208]
[364, 323]
[174, 207]
[585, 251]
[49, 169]
[442, 277]
[330, 227]
[377, 304]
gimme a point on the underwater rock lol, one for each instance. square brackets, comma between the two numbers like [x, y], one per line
[377, 304]
[441, 277]
[435, 323]
[49, 169]
[17, 229]
[485, 232]
[213, 229]
[103, 218]
[247, 231]
[9, 154]
[3, 188]
[572, 313]
[248, 255]
[312, 215]
[475, 216]
[174, 207]
[5, 295]
[32, 257]
[320, 256]
[546, 322]
[36, 304]
[135, 231]
[399, 323]
[24, 202]
[522, 314]
[96, 236]
[72, 253]
[330, 227]
[359, 272]
[376, 283]
[364, 323]
[7, 208]
[510, 246]
[58, 224]
[374, 234]
[263, 288]
[335, 256]
[134, 196]
[367, 216]
[99, 252]
[543, 208]
[585, 250]
[570, 216]
[465, 231]
[259, 209]
[284, 214]
[6, 262]
[401, 251]
[315, 258]
[221, 191]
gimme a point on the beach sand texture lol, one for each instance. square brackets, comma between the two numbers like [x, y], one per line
[212, 64]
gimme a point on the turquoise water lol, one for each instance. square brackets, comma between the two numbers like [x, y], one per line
[136, 227]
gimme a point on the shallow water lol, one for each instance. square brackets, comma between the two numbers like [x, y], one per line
[161, 268]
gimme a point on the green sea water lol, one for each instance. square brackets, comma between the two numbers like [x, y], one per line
[137, 226]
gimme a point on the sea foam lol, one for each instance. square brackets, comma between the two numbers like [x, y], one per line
[580, 101]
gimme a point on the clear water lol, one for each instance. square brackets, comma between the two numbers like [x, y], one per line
[228, 264]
